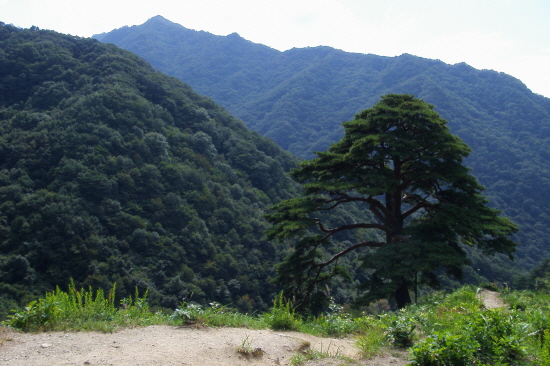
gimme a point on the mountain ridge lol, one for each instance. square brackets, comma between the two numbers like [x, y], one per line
[299, 97]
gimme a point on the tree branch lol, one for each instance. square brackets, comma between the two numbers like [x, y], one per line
[417, 207]
[351, 226]
[378, 209]
[373, 244]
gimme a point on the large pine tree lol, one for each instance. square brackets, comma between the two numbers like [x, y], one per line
[398, 160]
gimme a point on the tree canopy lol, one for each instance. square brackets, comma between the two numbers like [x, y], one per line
[113, 173]
[399, 161]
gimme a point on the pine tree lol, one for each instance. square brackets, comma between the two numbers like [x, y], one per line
[399, 161]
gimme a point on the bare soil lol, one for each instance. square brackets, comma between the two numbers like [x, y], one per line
[491, 299]
[164, 345]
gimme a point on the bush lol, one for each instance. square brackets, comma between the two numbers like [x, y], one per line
[282, 315]
[445, 349]
[492, 337]
[400, 329]
[372, 341]
[335, 323]
[80, 310]
[189, 314]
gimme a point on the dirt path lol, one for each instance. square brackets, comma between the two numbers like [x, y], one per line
[164, 345]
[491, 299]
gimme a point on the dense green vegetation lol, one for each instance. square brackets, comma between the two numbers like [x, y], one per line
[399, 161]
[442, 329]
[300, 97]
[113, 173]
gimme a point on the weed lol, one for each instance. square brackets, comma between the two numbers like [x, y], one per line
[189, 314]
[489, 337]
[282, 315]
[372, 342]
[80, 310]
[400, 329]
[310, 354]
[247, 350]
[445, 349]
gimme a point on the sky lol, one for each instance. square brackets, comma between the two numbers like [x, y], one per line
[510, 36]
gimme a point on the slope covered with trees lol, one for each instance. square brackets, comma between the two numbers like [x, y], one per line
[300, 97]
[111, 172]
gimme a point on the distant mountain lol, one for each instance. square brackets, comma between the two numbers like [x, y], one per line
[299, 98]
[111, 172]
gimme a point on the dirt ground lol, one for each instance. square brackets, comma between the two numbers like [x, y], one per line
[491, 299]
[164, 345]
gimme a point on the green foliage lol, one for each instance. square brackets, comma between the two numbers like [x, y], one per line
[282, 315]
[299, 97]
[335, 322]
[400, 329]
[329, 351]
[457, 330]
[188, 314]
[538, 279]
[81, 310]
[492, 337]
[444, 329]
[372, 342]
[445, 349]
[544, 354]
[214, 315]
[114, 174]
[398, 161]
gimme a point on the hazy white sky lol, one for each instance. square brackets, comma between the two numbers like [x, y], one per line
[512, 36]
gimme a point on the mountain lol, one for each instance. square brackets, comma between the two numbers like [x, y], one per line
[113, 173]
[299, 98]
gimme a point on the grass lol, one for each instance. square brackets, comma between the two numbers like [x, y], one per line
[307, 354]
[247, 350]
[373, 342]
[282, 315]
[84, 310]
[443, 329]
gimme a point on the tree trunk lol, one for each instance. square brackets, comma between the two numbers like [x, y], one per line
[402, 296]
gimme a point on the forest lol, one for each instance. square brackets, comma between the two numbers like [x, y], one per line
[300, 97]
[115, 174]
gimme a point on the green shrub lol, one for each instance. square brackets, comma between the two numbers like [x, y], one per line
[189, 314]
[400, 329]
[493, 337]
[282, 316]
[80, 310]
[371, 342]
[500, 335]
[445, 349]
[64, 309]
[543, 353]
[214, 315]
[335, 323]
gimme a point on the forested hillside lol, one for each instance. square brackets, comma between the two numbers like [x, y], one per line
[111, 172]
[300, 97]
